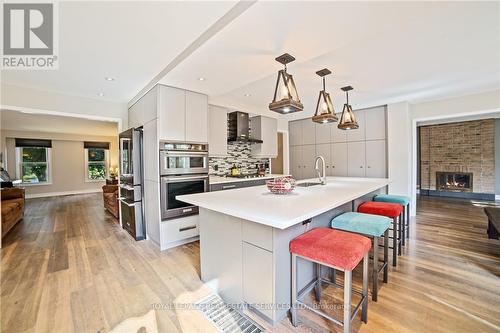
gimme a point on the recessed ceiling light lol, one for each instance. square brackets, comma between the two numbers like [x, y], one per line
[100, 94]
[201, 79]
[107, 78]
[247, 95]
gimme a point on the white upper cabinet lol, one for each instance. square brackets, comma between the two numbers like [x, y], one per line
[133, 116]
[265, 129]
[172, 114]
[356, 159]
[375, 123]
[295, 133]
[325, 150]
[196, 117]
[358, 134]
[148, 105]
[339, 159]
[323, 132]
[217, 131]
[337, 134]
[308, 131]
[376, 165]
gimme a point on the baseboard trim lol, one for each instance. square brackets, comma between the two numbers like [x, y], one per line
[56, 194]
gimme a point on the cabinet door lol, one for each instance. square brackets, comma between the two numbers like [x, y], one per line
[358, 134]
[308, 156]
[356, 159]
[172, 114]
[258, 277]
[308, 132]
[375, 123]
[325, 151]
[265, 129]
[376, 159]
[133, 116]
[296, 161]
[323, 132]
[196, 117]
[295, 132]
[148, 105]
[337, 134]
[339, 159]
[217, 131]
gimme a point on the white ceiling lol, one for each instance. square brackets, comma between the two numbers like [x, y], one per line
[388, 51]
[18, 121]
[129, 41]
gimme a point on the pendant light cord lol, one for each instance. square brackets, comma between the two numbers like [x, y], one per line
[324, 83]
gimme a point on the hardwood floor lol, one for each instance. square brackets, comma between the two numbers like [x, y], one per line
[69, 267]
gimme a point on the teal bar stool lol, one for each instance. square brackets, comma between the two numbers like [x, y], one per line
[373, 226]
[403, 201]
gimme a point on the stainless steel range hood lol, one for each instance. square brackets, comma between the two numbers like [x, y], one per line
[238, 128]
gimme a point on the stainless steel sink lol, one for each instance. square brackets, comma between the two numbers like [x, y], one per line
[308, 184]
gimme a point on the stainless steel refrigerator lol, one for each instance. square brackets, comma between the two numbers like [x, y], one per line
[131, 194]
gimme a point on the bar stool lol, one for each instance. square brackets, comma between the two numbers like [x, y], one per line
[374, 226]
[401, 200]
[338, 250]
[389, 210]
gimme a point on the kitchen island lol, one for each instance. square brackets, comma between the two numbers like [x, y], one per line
[245, 233]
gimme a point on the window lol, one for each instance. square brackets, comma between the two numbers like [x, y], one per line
[34, 164]
[96, 160]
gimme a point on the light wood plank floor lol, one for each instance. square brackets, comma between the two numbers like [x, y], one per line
[68, 267]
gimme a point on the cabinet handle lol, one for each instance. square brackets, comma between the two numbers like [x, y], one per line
[187, 228]
[333, 166]
[361, 167]
[228, 186]
[299, 166]
[368, 167]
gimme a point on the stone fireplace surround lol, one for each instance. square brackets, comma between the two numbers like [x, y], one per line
[463, 147]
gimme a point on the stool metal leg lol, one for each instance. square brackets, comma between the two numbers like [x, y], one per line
[386, 256]
[403, 227]
[375, 269]
[408, 220]
[318, 282]
[364, 306]
[399, 234]
[293, 309]
[347, 300]
[394, 241]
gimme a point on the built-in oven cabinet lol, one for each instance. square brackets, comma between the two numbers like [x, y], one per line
[173, 186]
[182, 115]
[179, 231]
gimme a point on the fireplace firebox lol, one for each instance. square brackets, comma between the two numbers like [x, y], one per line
[454, 181]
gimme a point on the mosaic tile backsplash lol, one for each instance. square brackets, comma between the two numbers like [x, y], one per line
[239, 153]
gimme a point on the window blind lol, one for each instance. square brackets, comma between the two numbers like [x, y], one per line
[95, 144]
[39, 143]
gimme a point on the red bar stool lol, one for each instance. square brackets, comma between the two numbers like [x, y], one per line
[393, 211]
[338, 250]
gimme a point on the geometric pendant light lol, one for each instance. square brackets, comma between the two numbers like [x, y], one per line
[286, 99]
[324, 107]
[347, 120]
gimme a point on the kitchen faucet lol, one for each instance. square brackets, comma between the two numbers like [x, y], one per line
[321, 176]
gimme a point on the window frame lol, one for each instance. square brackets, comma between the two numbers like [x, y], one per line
[88, 163]
[48, 162]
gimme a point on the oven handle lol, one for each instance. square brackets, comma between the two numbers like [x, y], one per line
[184, 153]
[165, 179]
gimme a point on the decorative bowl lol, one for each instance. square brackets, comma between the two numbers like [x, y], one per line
[281, 185]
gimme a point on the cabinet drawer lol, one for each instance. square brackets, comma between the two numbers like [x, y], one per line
[257, 234]
[233, 185]
[180, 229]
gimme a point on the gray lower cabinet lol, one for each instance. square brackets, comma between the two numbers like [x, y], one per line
[258, 278]
[233, 185]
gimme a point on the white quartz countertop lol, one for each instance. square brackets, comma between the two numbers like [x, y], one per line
[257, 204]
[223, 180]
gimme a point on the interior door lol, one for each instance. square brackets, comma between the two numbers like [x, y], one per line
[339, 159]
[356, 159]
[376, 159]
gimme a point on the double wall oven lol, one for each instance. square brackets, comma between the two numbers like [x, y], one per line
[183, 170]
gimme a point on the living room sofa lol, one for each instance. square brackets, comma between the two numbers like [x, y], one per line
[12, 206]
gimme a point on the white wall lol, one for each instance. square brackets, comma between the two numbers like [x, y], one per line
[67, 162]
[37, 101]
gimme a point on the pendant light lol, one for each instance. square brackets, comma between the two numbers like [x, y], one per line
[286, 99]
[324, 108]
[347, 120]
